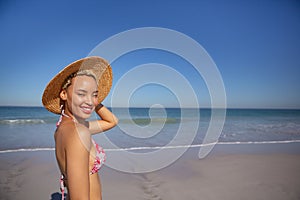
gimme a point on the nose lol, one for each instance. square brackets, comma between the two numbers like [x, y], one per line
[89, 100]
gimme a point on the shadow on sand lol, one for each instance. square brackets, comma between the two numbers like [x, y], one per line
[56, 196]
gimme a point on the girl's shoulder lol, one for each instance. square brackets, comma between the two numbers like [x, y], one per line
[75, 134]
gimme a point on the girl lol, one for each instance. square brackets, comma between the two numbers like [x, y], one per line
[75, 93]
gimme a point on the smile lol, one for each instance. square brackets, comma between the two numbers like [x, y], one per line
[87, 110]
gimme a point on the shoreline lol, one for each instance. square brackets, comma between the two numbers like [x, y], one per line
[228, 172]
[220, 143]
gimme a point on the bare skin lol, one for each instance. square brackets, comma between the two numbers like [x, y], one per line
[75, 152]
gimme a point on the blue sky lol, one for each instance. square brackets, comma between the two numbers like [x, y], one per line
[255, 45]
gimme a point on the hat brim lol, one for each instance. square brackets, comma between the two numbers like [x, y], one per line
[99, 66]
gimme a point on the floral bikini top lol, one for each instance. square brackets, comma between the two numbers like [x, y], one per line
[99, 160]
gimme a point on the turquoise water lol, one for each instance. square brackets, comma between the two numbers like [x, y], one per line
[33, 127]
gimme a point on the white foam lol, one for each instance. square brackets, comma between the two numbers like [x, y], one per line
[202, 145]
[22, 121]
[26, 150]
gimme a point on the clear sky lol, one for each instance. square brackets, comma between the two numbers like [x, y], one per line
[255, 45]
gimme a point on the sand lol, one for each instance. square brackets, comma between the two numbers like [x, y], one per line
[223, 175]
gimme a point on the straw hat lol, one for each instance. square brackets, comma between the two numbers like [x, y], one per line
[99, 66]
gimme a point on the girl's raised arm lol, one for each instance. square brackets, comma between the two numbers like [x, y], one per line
[108, 120]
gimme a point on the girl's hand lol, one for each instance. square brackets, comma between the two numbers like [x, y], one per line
[108, 120]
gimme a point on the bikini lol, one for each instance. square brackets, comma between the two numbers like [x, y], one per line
[100, 158]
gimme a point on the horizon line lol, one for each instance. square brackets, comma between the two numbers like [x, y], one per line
[227, 108]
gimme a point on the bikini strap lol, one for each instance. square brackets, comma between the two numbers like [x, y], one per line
[61, 116]
[62, 187]
[59, 121]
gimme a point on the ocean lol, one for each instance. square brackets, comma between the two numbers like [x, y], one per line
[32, 128]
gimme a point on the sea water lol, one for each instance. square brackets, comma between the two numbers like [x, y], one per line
[32, 128]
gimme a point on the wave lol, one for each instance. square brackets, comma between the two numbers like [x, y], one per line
[22, 121]
[146, 121]
[203, 145]
[161, 147]
[139, 121]
[26, 150]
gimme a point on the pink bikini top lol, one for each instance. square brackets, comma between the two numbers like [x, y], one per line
[100, 158]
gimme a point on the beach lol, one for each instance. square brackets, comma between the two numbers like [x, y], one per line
[257, 155]
[255, 171]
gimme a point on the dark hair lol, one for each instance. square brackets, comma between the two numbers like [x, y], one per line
[68, 80]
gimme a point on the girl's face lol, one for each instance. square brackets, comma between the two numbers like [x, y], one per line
[81, 96]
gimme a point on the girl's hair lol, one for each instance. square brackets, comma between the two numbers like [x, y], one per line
[85, 72]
